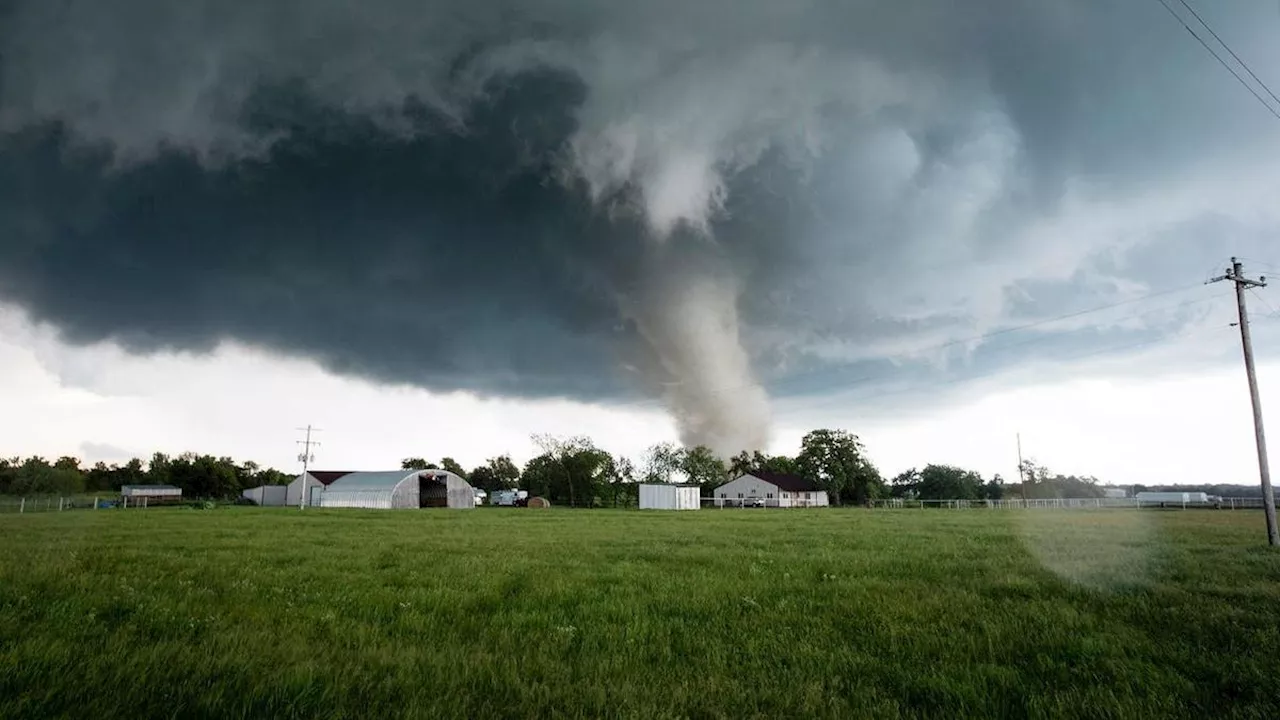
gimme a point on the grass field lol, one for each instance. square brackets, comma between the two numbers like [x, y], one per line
[506, 613]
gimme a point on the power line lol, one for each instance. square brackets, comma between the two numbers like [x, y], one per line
[1224, 44]
[1274, 313]
[1221, 61]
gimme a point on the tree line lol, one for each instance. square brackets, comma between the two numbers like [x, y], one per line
[197, 475]
[574, 471]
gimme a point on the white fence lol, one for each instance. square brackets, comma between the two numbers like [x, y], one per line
[46, 503]
[54, 503]
[1065, 504]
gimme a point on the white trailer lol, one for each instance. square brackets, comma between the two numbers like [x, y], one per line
[1172, 498]
[508, 498]
[670, 497]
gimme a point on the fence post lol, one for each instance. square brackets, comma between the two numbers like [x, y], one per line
[22, 507]
[95, 502]
[59, 503]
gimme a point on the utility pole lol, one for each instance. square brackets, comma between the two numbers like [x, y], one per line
[1235, 274]
[307, 458]
[1022, 475]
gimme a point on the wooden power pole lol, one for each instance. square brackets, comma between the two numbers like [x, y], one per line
[1235, 274]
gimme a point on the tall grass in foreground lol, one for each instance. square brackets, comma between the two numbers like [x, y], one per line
[510, 613]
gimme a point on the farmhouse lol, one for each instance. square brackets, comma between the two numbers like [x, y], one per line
[763, 489]
[393, 489]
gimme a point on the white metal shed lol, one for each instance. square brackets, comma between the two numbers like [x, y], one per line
[267, 495]
[670, 497]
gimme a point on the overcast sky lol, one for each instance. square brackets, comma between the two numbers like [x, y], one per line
[435, 228]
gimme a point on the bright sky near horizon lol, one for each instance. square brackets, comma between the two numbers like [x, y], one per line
[98, 403]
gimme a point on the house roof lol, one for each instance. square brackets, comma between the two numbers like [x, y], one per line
[790, 483]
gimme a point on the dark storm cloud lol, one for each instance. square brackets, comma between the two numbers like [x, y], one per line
[497, 196]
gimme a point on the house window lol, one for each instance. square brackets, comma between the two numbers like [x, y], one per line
[723, 496]
[739, 495]
[806, 496]
[769, 495]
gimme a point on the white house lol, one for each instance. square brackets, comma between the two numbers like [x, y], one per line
[762, 489]
[670, 497]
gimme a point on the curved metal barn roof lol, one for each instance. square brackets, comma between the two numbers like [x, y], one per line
[385, 480]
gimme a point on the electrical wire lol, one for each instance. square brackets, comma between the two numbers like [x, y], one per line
[1224, 44]
[1221, 61]
[1274, 313]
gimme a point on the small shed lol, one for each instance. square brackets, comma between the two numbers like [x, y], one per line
[150, 493]
[670, 497]
[267, 495]
[398, 489]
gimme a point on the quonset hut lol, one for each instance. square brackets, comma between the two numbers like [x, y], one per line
[397, 489]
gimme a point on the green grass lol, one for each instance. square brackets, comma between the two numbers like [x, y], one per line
[519, 613]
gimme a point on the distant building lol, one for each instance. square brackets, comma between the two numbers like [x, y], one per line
[267, 495]
[315, 481]
[1172, 498]
[762, 489]
[150, 493]
[658, 496]
[1115, 493]
[394, 489]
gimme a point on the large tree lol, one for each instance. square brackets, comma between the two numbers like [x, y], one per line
[701, 466]
[661, 461]
[572, 470]
[837, 461]
[454, 467]
[745, 462]
[620, 478]
[1039, 482]
[498, 473]
[947, 482]
[417, 463]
